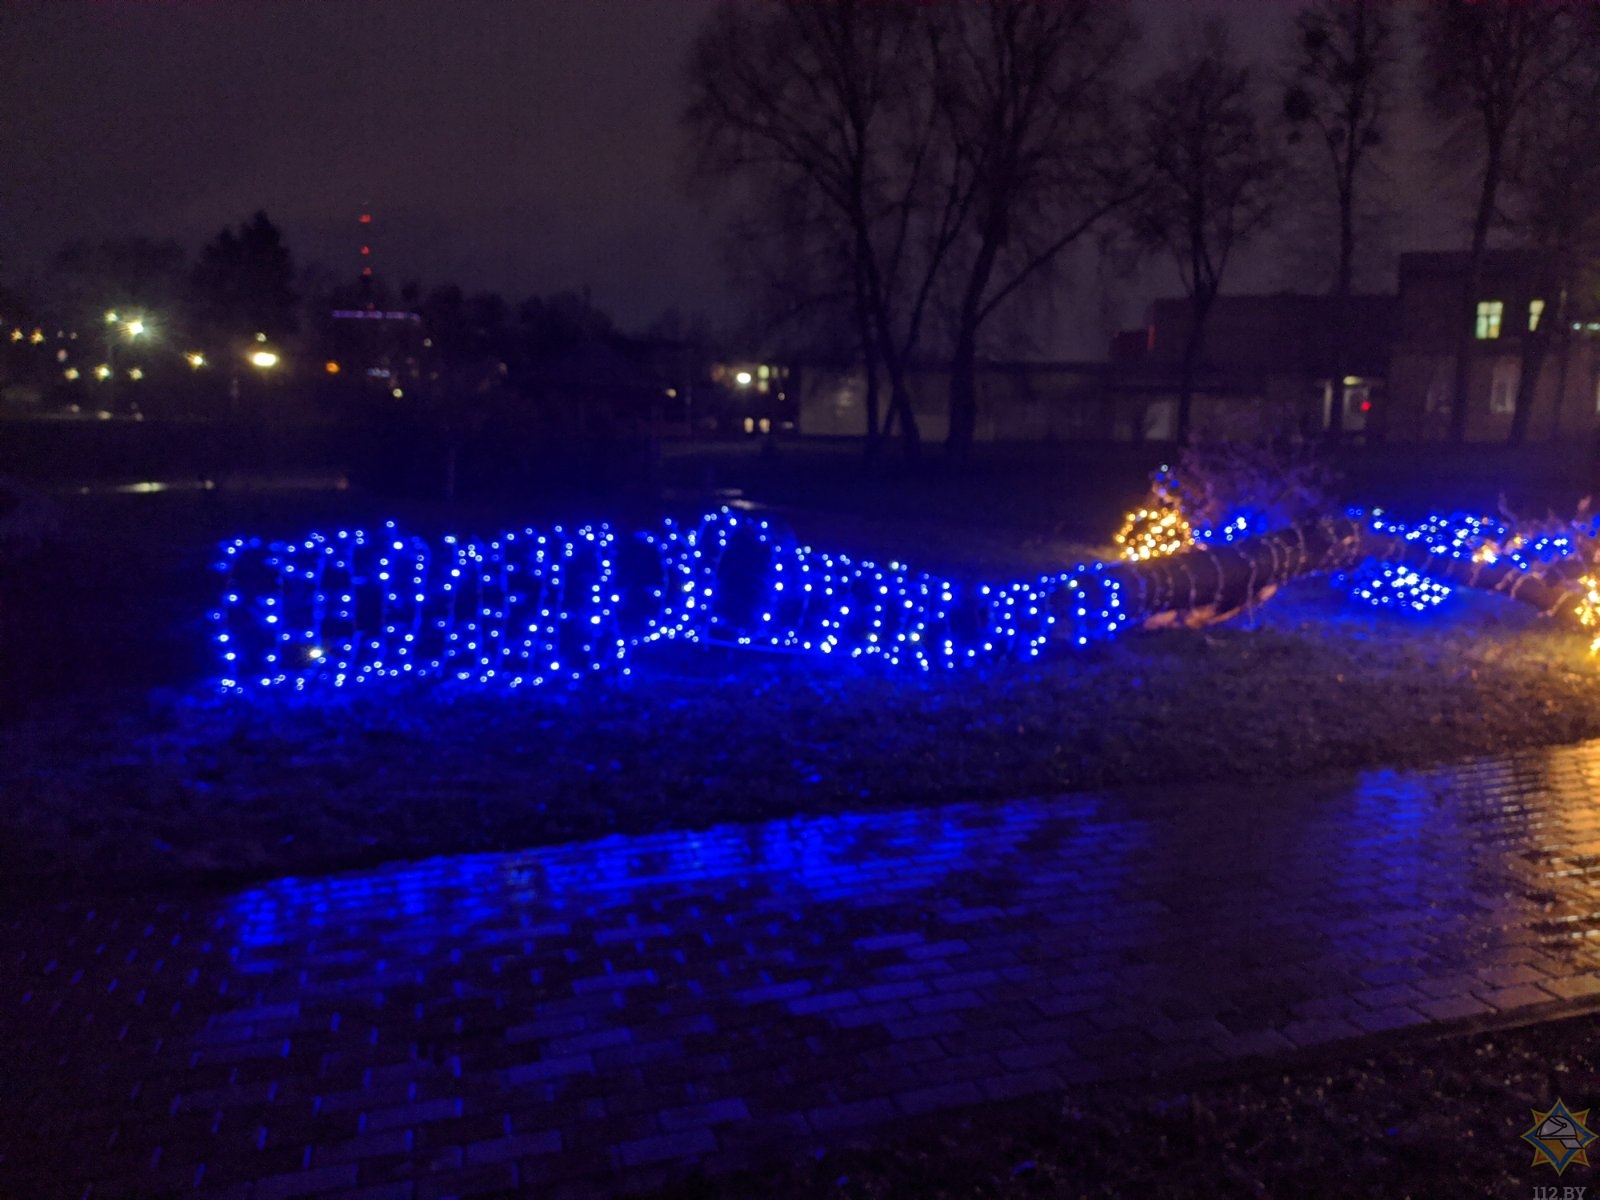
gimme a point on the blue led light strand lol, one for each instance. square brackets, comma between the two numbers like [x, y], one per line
[531, 607]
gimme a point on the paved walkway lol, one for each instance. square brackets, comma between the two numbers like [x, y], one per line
[563, 1019]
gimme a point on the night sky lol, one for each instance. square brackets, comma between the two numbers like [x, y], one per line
[519, 145]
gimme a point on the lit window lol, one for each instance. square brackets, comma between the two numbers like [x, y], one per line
[1489, 314]
[1535, 311]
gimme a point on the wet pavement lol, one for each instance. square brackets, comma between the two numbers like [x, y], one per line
[579, 1019]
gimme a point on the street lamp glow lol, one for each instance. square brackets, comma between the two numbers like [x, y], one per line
[195, 359]
[111, 318]
[265, 359]
[102, 372]
[135, 327]
[743, 378]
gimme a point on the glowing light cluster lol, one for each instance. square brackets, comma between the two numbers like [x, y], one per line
[1485, 541]
[1589, 609]
[531, 607]
[1159, 527]
[1393, 586]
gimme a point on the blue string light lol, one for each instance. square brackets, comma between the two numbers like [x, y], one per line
[530, 607]
[1393, 586]
[533, 607]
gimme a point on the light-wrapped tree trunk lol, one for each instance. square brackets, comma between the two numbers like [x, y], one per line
[1202, 587]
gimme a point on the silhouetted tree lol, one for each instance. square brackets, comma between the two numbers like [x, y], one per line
[1213, 179]
[1553, 183]
[1031, 95]
[818, 121]
[1488, 62]
[244, 283]
[1343, 72]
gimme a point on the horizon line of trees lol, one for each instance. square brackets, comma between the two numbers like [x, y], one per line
[896, 175]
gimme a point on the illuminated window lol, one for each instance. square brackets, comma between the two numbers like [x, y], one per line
[1489, 314]
[1535, 311]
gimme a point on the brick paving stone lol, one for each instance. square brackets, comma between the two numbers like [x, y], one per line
[444, 1028]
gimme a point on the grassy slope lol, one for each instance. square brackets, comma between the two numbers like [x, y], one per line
[121, 787]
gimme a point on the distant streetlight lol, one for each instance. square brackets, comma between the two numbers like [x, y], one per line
[195, 359]
[743, 378]
[264, 359]
[135, 327]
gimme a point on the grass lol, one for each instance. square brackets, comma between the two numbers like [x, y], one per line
[1330, 1128]
[122, 771]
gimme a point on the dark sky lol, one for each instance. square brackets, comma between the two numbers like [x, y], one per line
[519, 145]
[525, 145]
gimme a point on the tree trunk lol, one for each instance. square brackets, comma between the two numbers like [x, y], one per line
[963, 396]
[1341, 311]
[1202, 587]
[1467, 333]
[1191, 361]
[869, 368]
[1564, 333]
[1534, 346]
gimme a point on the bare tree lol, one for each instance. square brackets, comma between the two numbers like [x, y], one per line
[1553, 181]
[1212, 178]
[1031, 93]
[1488, 62]
[817, 118]
[1343, 71]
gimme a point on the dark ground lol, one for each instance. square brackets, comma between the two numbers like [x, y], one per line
[1413, 1117]
[120, 766]
[120, 771]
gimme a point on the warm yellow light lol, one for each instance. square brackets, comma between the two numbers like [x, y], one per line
[136, 373]
[265, 359]
[742, 378]
[1589, 608]
[135, 327]
[331, 367]
[16, 335]
[70, 372]
[261, 337]
[102, 372]
[111, 318]
[399, 393]
[36, 336]
[195, 359]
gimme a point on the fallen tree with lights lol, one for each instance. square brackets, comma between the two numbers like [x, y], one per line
[531, 607]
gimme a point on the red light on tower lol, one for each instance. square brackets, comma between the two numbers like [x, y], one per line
[366, 218]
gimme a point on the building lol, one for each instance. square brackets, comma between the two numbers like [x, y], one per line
[1510, 306]
[1017, 401]
[1282, 359]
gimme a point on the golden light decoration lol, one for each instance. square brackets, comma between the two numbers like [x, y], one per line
[1153, 532]
[1158, 528]
[1589, 608]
